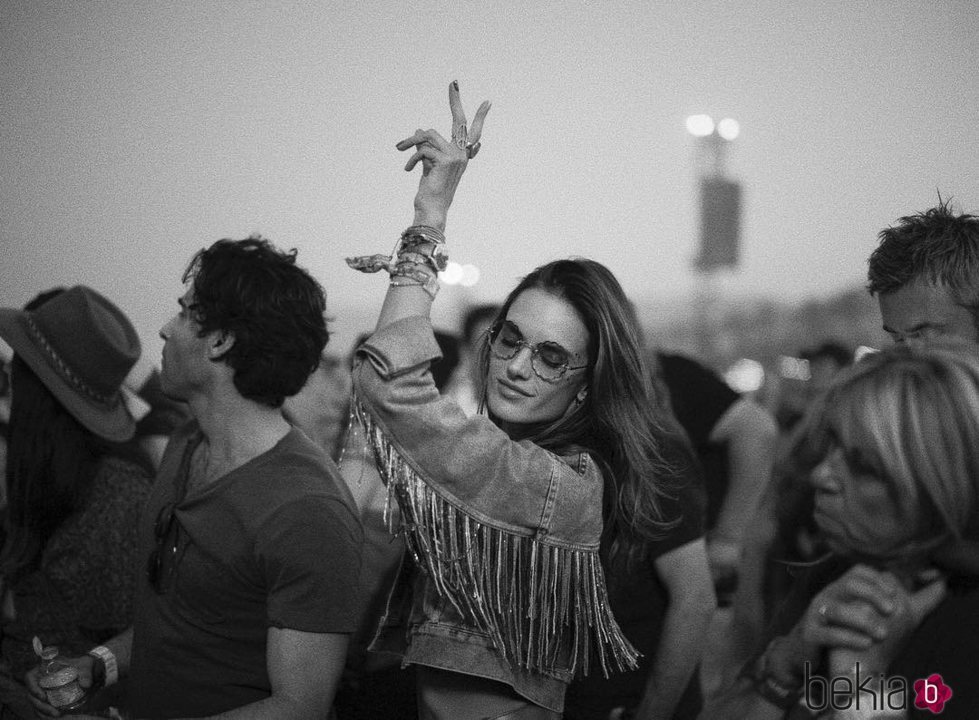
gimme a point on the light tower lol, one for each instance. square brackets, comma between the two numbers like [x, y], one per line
[719, 203]
[720, 195]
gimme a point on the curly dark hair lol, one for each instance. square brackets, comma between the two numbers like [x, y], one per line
[937, 246]
[274, 309]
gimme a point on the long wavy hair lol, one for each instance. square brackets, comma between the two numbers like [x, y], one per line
[914, 412]
[620, 423]
[51, 462]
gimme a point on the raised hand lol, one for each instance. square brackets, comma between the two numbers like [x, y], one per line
[443, 162]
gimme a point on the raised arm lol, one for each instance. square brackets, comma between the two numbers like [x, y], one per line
[420, 253]
[443, 163]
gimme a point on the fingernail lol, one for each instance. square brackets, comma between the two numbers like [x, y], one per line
[455, 84]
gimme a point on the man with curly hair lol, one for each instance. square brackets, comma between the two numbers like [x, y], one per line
[252, 543]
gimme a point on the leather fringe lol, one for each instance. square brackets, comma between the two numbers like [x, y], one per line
[544, 607]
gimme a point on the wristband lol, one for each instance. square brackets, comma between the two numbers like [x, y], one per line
[108, 658]
[779, 695]
[773, 683]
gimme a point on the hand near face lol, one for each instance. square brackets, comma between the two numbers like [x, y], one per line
[866, 614]
[852, 611]
[443, 161]
[891, 630]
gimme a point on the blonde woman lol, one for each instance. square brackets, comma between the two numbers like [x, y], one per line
[895, 446]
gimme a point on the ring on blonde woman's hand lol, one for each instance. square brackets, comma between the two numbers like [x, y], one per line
[472, 149]
[460, 136]
[823, 610]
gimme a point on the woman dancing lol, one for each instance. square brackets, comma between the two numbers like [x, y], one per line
[503, 601]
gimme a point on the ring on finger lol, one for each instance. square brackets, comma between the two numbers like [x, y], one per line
[823, 611]
[460, 136]
[472, 149]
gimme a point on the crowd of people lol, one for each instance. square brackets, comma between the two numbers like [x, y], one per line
[540, 520]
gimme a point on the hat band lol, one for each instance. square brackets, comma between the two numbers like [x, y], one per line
[108, 401]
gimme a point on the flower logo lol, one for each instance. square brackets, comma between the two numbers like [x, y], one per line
[931, 693]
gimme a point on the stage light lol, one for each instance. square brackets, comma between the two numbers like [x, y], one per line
[728, 128]
[700, 125]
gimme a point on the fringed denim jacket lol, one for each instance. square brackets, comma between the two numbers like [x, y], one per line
[505, 581]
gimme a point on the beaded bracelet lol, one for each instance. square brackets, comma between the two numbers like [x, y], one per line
[407, 278]
[413, 270]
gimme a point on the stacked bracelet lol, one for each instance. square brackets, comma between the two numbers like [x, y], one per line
[418, 257]
[424, 242]
[427, 232]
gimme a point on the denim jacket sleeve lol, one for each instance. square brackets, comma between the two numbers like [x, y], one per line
[507, 531]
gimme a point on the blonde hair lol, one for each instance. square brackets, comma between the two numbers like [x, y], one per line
[915, 411]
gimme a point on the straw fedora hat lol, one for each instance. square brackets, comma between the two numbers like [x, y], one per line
[81, 346]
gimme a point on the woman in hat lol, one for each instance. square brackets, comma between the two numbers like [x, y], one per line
[504, 601]
[75, 490]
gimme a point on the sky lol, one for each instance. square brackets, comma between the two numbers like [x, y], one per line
[133, 134]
